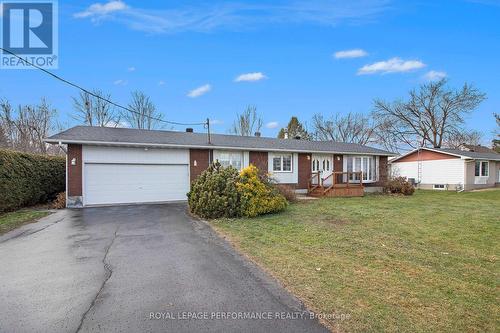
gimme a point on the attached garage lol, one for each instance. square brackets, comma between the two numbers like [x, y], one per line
[118, 175]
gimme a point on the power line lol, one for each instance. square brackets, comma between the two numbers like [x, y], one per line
[100, 97]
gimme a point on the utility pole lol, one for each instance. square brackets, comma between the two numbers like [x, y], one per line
[208, 131]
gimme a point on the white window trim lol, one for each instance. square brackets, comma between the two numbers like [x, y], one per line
[231, 154]
[375, 160]
[281, 163]
[481, 169]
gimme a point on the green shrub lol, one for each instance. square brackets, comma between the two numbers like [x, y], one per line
[214, 194]
[28, 179]
[258, 197]
[399, 185]
[222, 192]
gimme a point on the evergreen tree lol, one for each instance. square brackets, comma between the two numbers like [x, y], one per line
[294, 129]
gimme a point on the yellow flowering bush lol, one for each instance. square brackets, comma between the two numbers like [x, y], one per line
[257, 197]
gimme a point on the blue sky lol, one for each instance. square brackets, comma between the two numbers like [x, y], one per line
[169, 49]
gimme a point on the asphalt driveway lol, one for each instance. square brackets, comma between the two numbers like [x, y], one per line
[143, 268]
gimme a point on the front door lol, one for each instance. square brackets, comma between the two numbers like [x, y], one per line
[323, 164]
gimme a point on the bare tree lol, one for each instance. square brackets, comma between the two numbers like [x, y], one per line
[496, 142]
[143, 114]
[455, 140]
[428, 116]
[4, 141]
[247, 123]
[352, 127]
[95, 111]
[26, 128]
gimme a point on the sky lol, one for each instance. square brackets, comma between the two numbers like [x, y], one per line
[212, 59]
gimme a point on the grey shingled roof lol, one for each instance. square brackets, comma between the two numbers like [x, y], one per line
[470, 154]
[127, 136]
[463, 153]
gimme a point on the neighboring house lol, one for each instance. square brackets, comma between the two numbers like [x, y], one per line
[476, 148]
[119, 165]
[448, 169]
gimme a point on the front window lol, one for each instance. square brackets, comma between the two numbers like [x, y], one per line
[481, 169]
[365, 164]
[282, 163]
[227, 159]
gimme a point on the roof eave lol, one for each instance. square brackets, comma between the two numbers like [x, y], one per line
[207, 146]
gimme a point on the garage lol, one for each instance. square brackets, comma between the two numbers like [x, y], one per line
[113, 175]
[135, 183]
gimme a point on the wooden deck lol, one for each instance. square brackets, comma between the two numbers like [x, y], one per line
[338, 184]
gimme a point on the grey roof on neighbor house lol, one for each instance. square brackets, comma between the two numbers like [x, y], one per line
[457, 152]
[135, 137]
[470, 154]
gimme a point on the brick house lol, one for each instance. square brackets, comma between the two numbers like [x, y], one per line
[120, 165]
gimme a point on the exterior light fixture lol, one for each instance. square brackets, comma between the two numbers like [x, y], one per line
[195, 163]
[73, 161]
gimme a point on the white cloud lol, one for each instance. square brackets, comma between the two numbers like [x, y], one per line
[97, 10]
[216, 122]
[120, 82]
[161, 83]
[355, 53]
[250, 77]
[434, 75]
[272, 124]
[240, 15]
[199, 91]
[131, 69]
[393, 65]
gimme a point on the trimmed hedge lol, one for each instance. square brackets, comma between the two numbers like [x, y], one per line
[27, 179]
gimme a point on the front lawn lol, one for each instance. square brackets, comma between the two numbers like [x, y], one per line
[428, 262]
[10, 221]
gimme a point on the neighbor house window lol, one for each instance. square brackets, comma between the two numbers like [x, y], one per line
[482, 168]
[365, 164]
[282, 163]
[234, 159]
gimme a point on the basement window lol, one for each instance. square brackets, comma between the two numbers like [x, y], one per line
[439, 186]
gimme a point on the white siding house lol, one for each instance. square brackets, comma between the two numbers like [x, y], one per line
[448, 169]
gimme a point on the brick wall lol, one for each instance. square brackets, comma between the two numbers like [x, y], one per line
[259, 159]
[304, 170]
[202, 158]
[75, 171]
[338, 164]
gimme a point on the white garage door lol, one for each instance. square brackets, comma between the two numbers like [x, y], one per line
[134, 183]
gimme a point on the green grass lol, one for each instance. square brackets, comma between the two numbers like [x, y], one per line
[10, 221]
[428, 262]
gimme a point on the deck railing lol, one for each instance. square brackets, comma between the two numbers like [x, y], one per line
[336, 179]
[314, 181]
